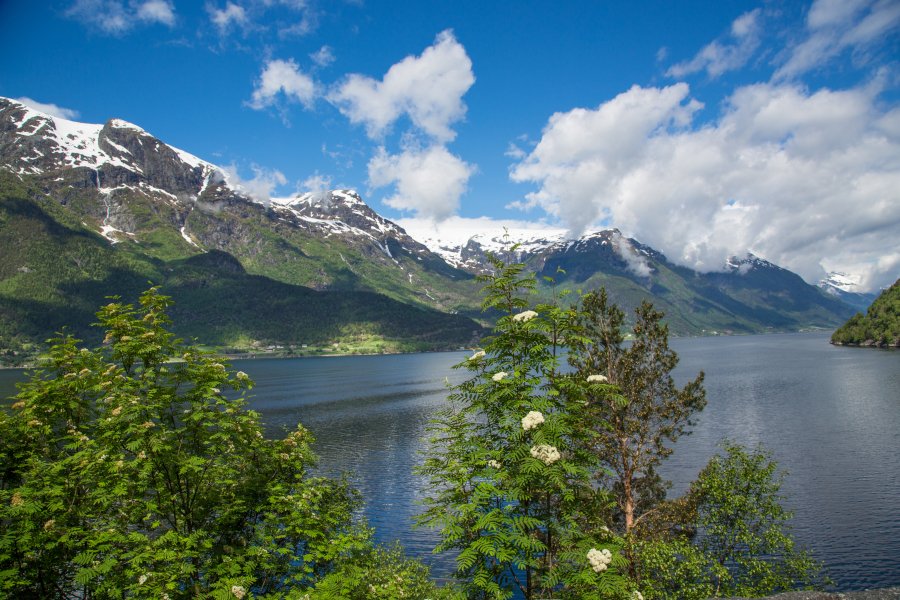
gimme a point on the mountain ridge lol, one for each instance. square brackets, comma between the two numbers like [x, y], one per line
[157, 207]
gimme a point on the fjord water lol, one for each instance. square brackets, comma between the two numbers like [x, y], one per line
[830, 415]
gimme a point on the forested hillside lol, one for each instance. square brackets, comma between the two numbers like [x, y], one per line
[880, 326]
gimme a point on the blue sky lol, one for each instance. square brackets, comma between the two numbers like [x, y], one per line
[704, 129]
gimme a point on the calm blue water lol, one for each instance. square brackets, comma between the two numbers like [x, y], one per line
[831, 416]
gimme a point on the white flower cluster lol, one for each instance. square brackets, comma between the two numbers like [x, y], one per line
[597, 379]
[499, 376]
[238, 591]
[599, 559]
[524, 317]
[636, 595]
[494, 464]
[478, 355]
[532, 420]
[545, 453]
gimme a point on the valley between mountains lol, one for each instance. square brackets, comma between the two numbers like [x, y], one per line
[89, 211]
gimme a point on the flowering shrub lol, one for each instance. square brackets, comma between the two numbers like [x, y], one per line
[545, 453]
[599, 559]
[523, 528]
[524, 317]
[532, 420]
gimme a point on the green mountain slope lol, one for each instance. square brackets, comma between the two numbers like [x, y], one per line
[56, 272]
[752, 296]
[880, 326]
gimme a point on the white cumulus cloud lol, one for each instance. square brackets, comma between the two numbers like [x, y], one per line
[427, 88]
[260, 187]
[428, 182]
[836, 26]
[323, 57]
[224, 17]
[719, 57]
[807, 180]
[51, 109]
[283, 77]
[156, 11]
[117, 17]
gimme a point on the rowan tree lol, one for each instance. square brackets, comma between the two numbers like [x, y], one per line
[128, 472]
[509, 463]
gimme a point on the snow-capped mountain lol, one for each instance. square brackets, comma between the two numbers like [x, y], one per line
[462, 248]
[844, 286]
[343, 212]
[118, 160]
[192, 226]
[116, 155]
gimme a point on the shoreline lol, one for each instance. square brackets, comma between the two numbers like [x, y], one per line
[33, 363]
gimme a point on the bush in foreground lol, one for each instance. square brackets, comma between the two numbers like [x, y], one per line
[127, 472]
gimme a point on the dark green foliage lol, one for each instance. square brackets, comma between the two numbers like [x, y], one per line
[520, 521]
[381, 574]
[880, 326]
[638, 419]
[127, 472]
[743, 528]
[510, 466]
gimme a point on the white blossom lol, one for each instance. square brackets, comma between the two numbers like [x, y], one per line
[524, 317]
[636, 595]
[142, 579]
[597, 379]
[499, 376]
[478, 355]
[545, 453]
[599, 559]
[532, 420]
[494, 464]
[238, 591]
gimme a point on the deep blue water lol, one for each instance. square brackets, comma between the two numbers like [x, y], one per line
[831, 416]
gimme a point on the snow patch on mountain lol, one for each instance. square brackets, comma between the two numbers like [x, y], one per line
[453, 239]
[836, 282]
[78, 144]
[750, 262]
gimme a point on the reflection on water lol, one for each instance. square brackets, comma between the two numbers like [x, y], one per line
[831, 416]
[369, 415]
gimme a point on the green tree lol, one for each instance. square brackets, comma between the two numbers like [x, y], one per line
[879, 326]
[641, 412]
[128, 472]
[743, 528]
[510, 466]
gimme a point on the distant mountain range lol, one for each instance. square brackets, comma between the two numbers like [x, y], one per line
[89, 211]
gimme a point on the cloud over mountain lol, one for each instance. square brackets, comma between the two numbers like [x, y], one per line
[427, 181]
[771, 174]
